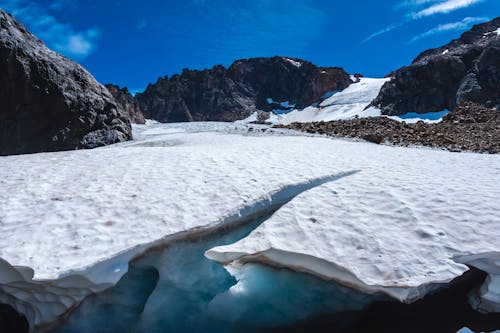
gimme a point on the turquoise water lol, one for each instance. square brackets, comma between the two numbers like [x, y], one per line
[177, 289]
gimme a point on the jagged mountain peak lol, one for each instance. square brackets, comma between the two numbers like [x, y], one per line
[479, 36]
[233, 93]
[466, 69]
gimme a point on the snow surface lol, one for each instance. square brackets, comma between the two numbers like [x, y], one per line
[251, 118]
[497, 31]
[395, 226]
[345, 104]
[294, 62]
[396, 217]
[349, 103]
[97, 203]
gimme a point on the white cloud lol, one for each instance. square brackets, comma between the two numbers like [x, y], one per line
[454, 26]
[443, 7]
[382, 31]
[414, 3]
[79, 45]
[62, 37]
[432, 7]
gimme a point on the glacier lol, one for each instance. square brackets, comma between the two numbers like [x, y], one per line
[354, 101]
[94, 234]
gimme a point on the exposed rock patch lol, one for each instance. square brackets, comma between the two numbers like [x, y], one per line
[471, 127]
[249, 85]
[48, 102]
[466, 69]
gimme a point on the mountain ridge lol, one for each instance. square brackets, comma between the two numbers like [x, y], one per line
[233, 93]
[465, 70]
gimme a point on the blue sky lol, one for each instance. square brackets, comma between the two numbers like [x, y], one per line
[132, 43]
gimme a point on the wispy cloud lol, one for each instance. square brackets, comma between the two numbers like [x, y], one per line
[413, 3]
[443, 7]
[454, 26]
[60, 36]
[418, 9]
[382, 31]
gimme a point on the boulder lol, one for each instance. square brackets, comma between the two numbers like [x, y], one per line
[465, 70]
[48, 102]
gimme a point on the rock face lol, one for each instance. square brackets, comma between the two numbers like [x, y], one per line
[48, 102]
[466, 69]
[128, 102]
[470, 127]
[260, 84]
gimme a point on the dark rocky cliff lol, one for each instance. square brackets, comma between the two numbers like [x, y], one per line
[236, 92]
[466, 69]
[48, 102]
[128, 102]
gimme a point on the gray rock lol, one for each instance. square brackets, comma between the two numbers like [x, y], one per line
[221, 94]
[48, 102]
[466, 69]
[128, 102]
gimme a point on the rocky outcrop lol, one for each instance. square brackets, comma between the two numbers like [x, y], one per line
[234, 93]
[470, 127]
[466, 69]
[48, 102]
[128, 102]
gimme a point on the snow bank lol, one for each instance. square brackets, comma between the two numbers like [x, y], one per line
[345, 104]
[396, 227]
[397, 218]
[86, 214]
[200, 296]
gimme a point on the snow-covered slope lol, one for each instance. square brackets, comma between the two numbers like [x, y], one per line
[399, 231]
[345, 104]
[401, 215]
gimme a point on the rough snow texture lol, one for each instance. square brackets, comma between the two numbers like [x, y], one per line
[95, 204]
[396, 226]
[345, 104]
[397, 220]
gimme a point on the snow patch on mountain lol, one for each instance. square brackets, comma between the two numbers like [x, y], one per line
[345, 104]
[296, 63]
[349, 103]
